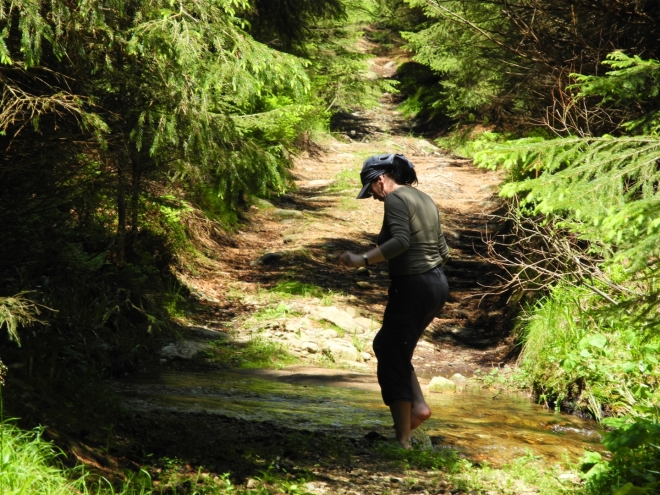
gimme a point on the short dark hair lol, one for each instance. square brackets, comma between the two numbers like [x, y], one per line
[402, 173]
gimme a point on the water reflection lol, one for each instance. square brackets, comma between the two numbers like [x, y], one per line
[485, 428]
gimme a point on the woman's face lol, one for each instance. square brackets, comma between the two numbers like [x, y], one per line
[379, 188]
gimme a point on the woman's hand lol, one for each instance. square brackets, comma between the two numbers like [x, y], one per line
[351, 259]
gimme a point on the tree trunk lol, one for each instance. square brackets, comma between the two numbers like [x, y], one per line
[135, 197]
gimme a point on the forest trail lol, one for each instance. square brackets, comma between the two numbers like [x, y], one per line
[290, 246]
[276, 292]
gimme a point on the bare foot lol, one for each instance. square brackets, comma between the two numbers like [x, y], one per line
[419, 414]
[405, 444]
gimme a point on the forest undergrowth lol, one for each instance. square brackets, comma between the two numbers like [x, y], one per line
[134, 135]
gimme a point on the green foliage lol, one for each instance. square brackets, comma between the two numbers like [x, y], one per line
[574, 355]
[633, 85]
[507, 62]
[635, 457]
[471, 82]
[592, 342]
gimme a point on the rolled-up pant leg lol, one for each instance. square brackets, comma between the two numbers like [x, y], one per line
[414, 300]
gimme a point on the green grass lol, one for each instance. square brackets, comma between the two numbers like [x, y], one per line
[30, 465]
[272, 312]
[296, 288]
[288, 288]
[347, 179]
[445, 459]
[256, 353]
[349, 203]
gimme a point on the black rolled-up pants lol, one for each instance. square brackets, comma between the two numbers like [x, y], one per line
[414, 300]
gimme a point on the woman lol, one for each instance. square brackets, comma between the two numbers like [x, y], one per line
[412, 242]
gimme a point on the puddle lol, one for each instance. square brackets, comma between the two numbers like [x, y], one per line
[484, 428]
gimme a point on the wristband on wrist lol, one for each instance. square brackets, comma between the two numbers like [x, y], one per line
[366, 259]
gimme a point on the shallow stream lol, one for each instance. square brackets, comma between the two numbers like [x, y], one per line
[485, 425]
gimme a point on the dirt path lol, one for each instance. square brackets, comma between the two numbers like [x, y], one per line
[285, 256]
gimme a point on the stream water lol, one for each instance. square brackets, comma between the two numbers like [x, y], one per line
[485, 425]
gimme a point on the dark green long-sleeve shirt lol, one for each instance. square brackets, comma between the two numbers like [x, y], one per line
[411, 238]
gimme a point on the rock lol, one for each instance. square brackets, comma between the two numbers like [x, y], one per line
[365, 285]
[423, 143]
[298, 324]
[419, 438]
[207, 333]
[251, 483]
[321, 183]
[341, 352]
[365, 356]
[262, 203]
[310, 347]
[489, 188]
[279, 212]
[338, 317]
[292, 237]
[366, 323]
[459, 380]
[362, 272]
[441, 384]
[329, 334]
[270, 258]
[183, 349]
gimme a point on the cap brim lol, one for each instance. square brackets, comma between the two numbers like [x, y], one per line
[365, 192]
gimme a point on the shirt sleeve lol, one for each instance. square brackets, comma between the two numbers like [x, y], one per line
[398, 222]
[442, 244]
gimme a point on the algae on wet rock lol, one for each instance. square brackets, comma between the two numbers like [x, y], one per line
[441, 384]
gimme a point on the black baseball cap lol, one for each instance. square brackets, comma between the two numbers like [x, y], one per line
[374, 167]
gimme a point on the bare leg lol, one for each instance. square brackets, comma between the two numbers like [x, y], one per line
[420, 411]
[402, 421]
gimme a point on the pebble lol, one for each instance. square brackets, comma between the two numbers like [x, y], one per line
[310, 347]
[292, 237]
[279, 212]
